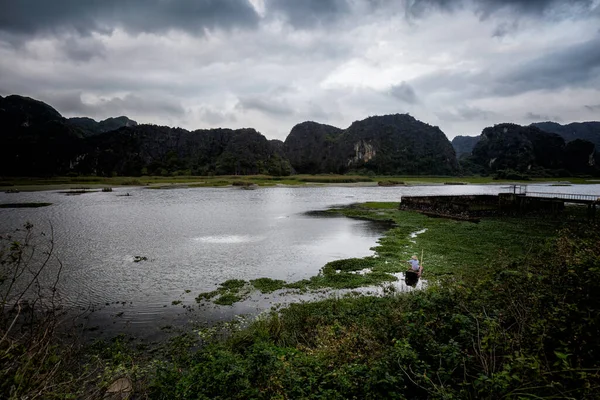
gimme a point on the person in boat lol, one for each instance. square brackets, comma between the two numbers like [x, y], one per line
[415, 266]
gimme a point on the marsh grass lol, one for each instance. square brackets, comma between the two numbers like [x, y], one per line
[390, 182]
[37, 183]
[24, 205]
[449, 247]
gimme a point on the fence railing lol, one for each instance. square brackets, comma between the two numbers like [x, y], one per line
[565, 196]
[515, 189]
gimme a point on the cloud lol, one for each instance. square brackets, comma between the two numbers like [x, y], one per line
[466, 113]
[216, 117]
[32, 17]
[270, 64]
[308, 14]
[72, 104]
[505, 28]
[404, 92]
[574, 65]
[541, 117]
[269, 105]
[593, 108]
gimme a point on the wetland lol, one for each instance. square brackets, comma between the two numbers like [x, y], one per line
[496, 296]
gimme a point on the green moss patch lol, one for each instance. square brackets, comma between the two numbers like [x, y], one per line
[268, 285]
[228, 292]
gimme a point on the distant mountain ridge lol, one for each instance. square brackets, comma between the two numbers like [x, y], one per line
[38, 141]
[464, 145]
[589, 131]
[35, 140]
[91, 127]
[530, 150]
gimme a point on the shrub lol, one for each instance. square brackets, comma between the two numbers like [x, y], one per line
[30, 361]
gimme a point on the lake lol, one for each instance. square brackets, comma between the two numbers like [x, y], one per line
[195, 238]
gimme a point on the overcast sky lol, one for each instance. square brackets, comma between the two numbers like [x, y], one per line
[268, 64]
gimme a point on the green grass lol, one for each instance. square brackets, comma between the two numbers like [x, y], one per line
[381, 205]
[37, 183]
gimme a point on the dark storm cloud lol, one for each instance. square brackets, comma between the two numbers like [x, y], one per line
[82, 49]
[308, 13]
[488, 7]
[264, 105]
[31, 17]
[572, 66]
[404, 92]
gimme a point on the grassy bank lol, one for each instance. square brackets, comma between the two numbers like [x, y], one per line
[32, 183]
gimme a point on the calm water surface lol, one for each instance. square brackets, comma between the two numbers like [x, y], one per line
[197, 238]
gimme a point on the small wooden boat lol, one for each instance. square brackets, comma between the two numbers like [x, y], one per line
[411, 278]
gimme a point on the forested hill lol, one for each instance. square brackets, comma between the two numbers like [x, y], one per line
[37, 141]
[589, 131]
[529, 150]
[390, 144]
